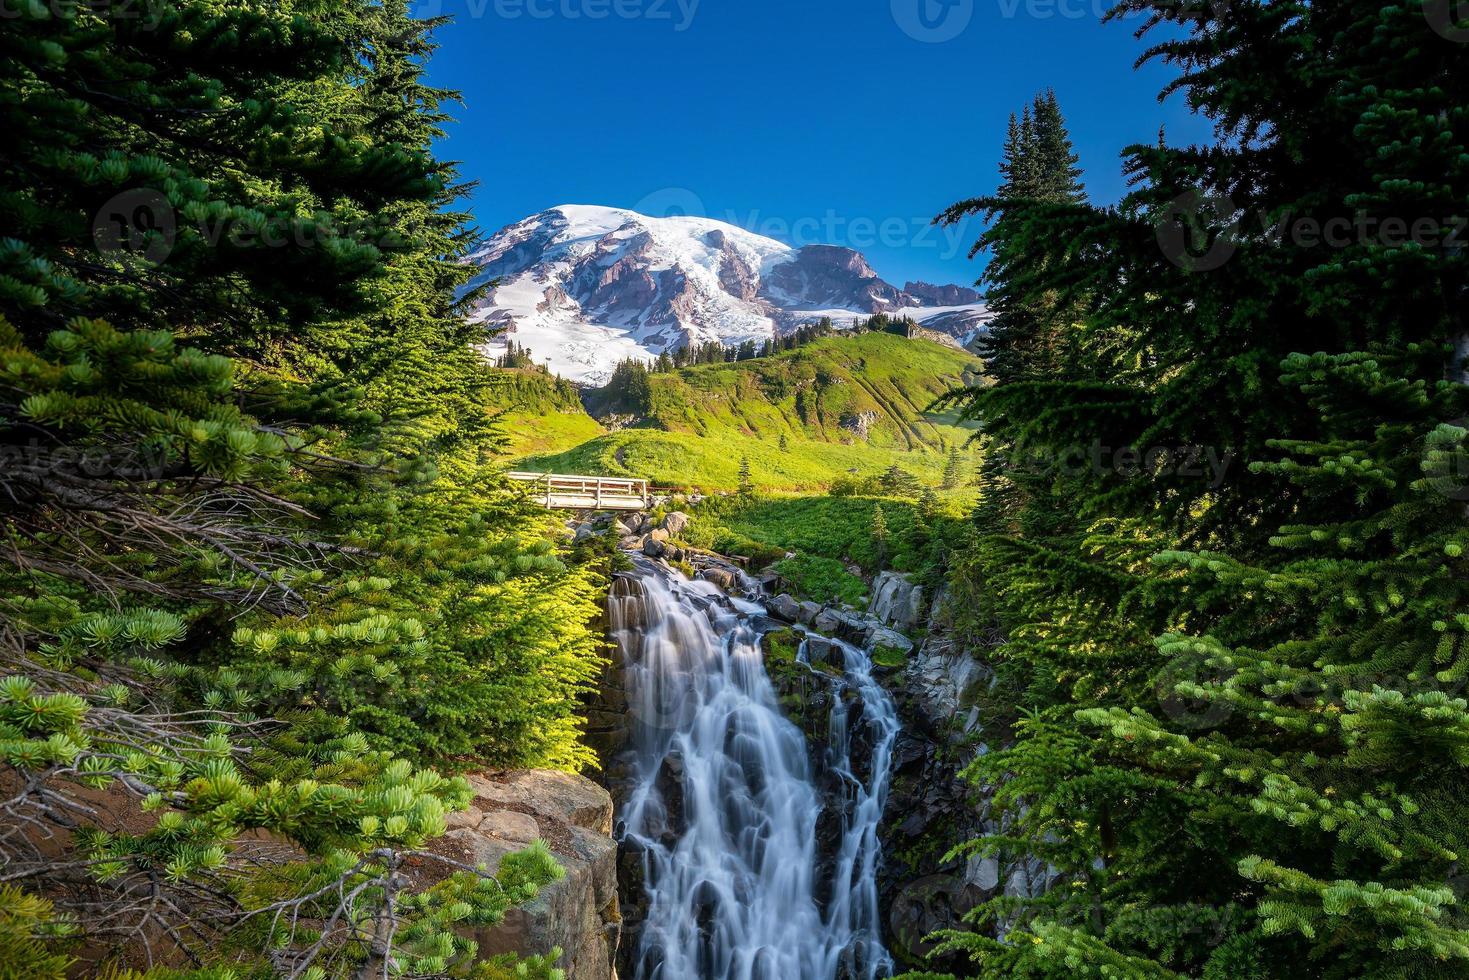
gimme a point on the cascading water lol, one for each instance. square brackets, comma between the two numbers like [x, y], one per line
[724, 801]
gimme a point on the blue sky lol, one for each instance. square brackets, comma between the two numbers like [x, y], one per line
[844, 121]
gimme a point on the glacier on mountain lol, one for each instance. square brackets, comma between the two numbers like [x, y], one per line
[584, 287]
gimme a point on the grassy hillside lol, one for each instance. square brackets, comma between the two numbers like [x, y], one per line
[844, 405]
[539, 413]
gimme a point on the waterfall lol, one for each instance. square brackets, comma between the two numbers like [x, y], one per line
[725, 799]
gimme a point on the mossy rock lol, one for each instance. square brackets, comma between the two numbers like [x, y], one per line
[781, 645]
[889, 657]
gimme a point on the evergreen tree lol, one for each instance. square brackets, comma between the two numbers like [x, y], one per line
[898, 482]
[1238, 715]
[628, 390]
[747, 482]
[953, 470]
[1039, 167]
[1019, 164]
[880, 537]
[1057, 176]
[245, 604]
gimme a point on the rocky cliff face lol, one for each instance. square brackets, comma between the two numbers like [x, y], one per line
[939, 690]
[573, 815]
[940, 693]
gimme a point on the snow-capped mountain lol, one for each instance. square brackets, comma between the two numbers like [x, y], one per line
[584, 287]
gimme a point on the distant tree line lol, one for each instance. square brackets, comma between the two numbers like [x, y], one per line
[518, 356]
[714, 352]
[629, 391]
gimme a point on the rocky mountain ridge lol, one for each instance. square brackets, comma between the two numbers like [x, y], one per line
[584, 287]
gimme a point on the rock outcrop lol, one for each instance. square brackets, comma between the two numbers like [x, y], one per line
[859, 424]
[897, 600]
[941, 693]
[573, 815]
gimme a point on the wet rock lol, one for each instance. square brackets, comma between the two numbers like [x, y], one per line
[654, 548]
[809, 612]
[670, 785]
[786, 608]
[723, 578]
[820, 650]
[843, 625]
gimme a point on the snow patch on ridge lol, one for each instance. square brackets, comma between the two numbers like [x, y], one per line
[584, 287]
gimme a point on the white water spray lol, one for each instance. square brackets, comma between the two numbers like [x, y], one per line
[736, 887]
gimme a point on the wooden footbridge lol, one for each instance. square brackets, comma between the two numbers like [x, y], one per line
[561, 492]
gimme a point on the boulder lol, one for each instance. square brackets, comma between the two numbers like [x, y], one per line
[654, 548]
[573, 815]
[659, 534]
[820, 650]
[843, 625]
[897, 601]
[675, 523]
[884, 638]
[786, 608]
[809, 612]
[724, 579]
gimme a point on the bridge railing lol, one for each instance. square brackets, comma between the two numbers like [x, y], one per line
[587, 492]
